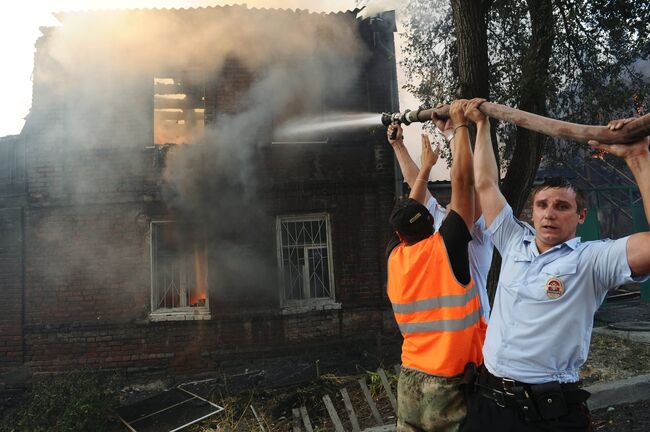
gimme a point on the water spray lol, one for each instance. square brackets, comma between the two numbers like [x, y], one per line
[629, 133]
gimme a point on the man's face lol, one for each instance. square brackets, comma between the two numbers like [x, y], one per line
[555, 216]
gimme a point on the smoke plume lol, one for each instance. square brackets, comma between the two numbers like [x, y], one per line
[103, 64]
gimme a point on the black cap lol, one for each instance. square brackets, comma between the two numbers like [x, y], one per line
[411, 219]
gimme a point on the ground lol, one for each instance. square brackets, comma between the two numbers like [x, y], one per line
[609, 359]
[623, 418]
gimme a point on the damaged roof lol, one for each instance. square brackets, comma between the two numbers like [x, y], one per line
[62, 15]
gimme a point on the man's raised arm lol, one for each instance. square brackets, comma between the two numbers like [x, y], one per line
[462, 175]
[485, 165]
[637, 158]
[406, 164]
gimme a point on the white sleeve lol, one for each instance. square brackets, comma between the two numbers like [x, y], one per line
[611, 268]
[506, 230]
[437, 211]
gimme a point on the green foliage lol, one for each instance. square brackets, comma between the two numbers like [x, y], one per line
[595, 66]
[75, 401]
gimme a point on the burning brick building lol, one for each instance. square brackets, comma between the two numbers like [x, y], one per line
[151, 219]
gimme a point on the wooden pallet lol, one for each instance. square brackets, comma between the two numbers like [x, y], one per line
[302, 423]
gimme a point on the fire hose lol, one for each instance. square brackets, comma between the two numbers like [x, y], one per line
[631, 132]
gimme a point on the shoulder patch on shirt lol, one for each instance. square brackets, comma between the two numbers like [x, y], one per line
[554, 288]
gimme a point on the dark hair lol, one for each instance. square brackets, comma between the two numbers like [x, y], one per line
[411, 220]
[562, 183]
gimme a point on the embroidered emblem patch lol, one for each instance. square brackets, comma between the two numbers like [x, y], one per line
[554, 288]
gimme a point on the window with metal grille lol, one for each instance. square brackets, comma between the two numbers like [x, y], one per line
[178, 270]
[305, 257]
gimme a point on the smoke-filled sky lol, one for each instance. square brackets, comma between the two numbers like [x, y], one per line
[19, 29]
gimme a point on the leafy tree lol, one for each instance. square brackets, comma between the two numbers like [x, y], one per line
[575, 60]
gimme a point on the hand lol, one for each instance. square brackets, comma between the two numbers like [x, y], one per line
[443, 125]
[472, 112]
[618, 124]
[457, 112]
[624, 151]
[429, 155]
[400, 134]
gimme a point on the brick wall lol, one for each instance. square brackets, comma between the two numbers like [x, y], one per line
[91, 197]
[11, 267]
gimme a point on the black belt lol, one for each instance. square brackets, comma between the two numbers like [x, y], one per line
[504, 384]
[535, 402]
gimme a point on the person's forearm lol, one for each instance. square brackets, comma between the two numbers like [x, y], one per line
[406, 163]
[419, 190]
[640, 167]
[485, 164]
[408, 167]
[486, 175]
[462, 176]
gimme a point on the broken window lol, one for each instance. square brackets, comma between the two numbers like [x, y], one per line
[178, 107]
[305, 257]
[179, 271]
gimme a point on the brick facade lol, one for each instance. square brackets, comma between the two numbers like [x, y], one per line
[76, 262]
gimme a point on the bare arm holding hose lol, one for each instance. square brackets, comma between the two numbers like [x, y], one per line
[485, 165]
[637, 158]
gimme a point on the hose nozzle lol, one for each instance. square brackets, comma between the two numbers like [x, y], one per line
[400, 118]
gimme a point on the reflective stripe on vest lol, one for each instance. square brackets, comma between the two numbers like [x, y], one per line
[436, 302]
[441, 325]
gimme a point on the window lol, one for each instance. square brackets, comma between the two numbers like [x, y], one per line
[12, 165]
[305, 258]
[178, 107]
[178, 272]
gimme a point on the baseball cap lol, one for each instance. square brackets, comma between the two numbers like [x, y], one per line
[411, 219]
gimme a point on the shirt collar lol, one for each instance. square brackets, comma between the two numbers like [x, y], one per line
[572, 243]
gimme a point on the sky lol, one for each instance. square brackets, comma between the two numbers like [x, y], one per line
[19, 29]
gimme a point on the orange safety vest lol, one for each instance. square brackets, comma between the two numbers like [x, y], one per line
[439, 317]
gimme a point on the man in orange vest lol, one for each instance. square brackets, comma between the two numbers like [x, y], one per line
[434, 299]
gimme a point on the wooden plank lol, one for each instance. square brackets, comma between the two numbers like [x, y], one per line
[371, 403]
[305, 419]
[384, 428]
[296, 420]
[350, 409]
[259, 421]
[389, 391]
[338, 426]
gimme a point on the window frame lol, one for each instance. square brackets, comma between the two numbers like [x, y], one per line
[174, 74]
[305, 304]
[180, 313]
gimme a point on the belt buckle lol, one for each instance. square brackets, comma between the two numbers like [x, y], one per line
[499, 398]
[507, 384]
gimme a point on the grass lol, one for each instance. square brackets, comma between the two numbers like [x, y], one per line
[74, 402]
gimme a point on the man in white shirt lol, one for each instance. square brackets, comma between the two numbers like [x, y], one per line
[550, 286]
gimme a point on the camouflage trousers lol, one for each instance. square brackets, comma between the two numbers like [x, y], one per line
[427, 403]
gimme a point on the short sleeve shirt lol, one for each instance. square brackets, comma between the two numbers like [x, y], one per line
[542, 317]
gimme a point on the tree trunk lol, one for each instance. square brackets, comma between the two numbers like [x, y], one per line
[470, 22]
[470, 19]
[529, 145]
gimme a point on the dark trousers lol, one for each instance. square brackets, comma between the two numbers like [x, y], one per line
[484, 414]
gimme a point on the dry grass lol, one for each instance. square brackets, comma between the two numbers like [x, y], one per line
[609, 359]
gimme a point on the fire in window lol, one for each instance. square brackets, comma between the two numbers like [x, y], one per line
[305, 257]
[179, 107]
[179, 271]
